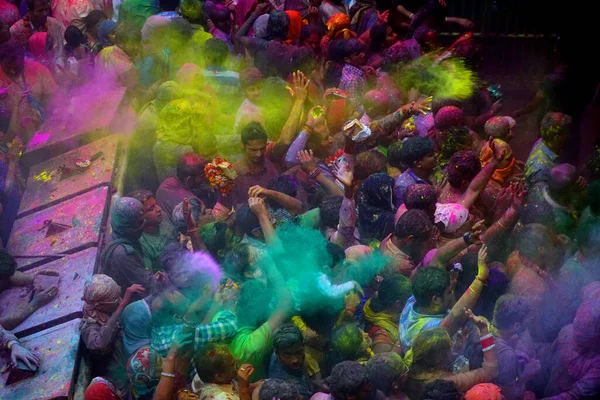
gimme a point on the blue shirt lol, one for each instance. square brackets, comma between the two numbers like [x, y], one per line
[411, 323]
[223, 81]
[539, 163]
[406, 179]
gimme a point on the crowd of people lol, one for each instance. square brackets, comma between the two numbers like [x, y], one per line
[320, 201]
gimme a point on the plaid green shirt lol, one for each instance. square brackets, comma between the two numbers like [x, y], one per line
[223, 326]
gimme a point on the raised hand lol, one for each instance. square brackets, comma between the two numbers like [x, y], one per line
[483, 270]
[244, 373]
[257, 206]
[41, 298]
[519, 194]
[480, 322]
[131, 291]
[343, 174]
[258, 191]
[477, 230]
[299, 89]
[19, 353]
[307, 161]
[499, 154]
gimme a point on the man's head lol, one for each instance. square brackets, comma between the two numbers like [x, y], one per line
[329, 211]
[285, 184]
[219, 15]
[254, 142]
[563, 178]
[215, 52]
[421, 196]
[500, 128]
[349, 380]
[588, 239]
[510, 312]
[376, 103]
[413, 234]
[278, 389]
[441, 390]
[310, 37]
[368, 163]
[387, 372]
[152, 211]
[349, 342]
[251, 82]
[418, 153]
[190, 170]
[433, 289]
[288, 344]
[540, 245]
[8, 265]
[93, 20]
[432, 350]
[555, 129]
[462, 169]
[353, 52]
[38, 11]
[12, 59]
[277, 25]
[4, 32]
[246, 222]
[168, 5]
[214, 363]
[393, 292]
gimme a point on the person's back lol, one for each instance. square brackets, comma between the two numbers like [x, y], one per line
[136, 12]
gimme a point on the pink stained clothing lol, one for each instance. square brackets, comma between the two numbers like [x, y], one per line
[243, 9]
[9, 13]
[55, 29]
[37, 45]
[112, 62]
[72, 12]
[248, 112]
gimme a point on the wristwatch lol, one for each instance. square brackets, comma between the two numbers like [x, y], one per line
[468, 239]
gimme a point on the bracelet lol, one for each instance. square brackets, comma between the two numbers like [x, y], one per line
[308, 129]
[467, 238]
[480, 280]
[313, 175]
[489, 348]
[487, 341]
[168, 375]
[473, 290]
[10, 344]
[192, 230]
[188, 324]
[502, 226]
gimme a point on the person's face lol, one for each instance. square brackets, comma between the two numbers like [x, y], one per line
[255, 151]
[39, 14]
[4, 33]
[13, 66]
[357, 59]
[253, 92]
[448, 300]
[427, 163]
[152, 212]
[293, 357]
[390, 36]
[229, 372]
[313, 42]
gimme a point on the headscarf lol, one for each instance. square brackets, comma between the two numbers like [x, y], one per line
[152, 25]
[101, 389]
[338, 27]
[499, 127]
[486, 155]
[355, 253]
[376, 206]
[260, 26]
[113, 61]
[37, 44]
[249, 76]
[386, 321]
[449, 117]
[174, 123]
[295, 26]
[99, 293]
[484, 391]
[106, 27]
[125, 214]
[186, 76]
[452, 215]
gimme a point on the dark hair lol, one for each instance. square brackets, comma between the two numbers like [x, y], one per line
[93, 18]
[277, 25]
[351, 47]
[394, 155]
[347, 379]
[190, 164]
[368, 163]
[531, 238]
[171, 255]
[278, 389]
[336, 252]
[588, 235]
[253, 131]
[393, 288]
[431, 350]
[74, 37]
[245, 220]
[8, 265]
[346, 343]
[415, 149]
[537, 210]
[285, 184]
[441, 389]
[211, 360]
[308, 30]
[415, 223]
[168, 5]
[385, 369]
[252, 305]
[429, 282]
[286, 336]
[11, 49]
[125, 33]
[329, 211]
[217, 12]
[31, 3]
[555, 124]
[509, 310]
[453, 140]
[142, 195]
[420, 197]
[214, 236]
[438, 103]
[215, 52]
[463, 167]
[378, 34]
[236, 261]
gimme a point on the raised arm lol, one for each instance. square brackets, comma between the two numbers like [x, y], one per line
[288, 133]
[454, 247]
[257, 206]
[309, 165]
[480, 181]
[20, 314]
[392, 121]
[457, 318]
[241, 35]
[291, 204]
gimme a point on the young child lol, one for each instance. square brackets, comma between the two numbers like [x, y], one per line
[216, 369]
